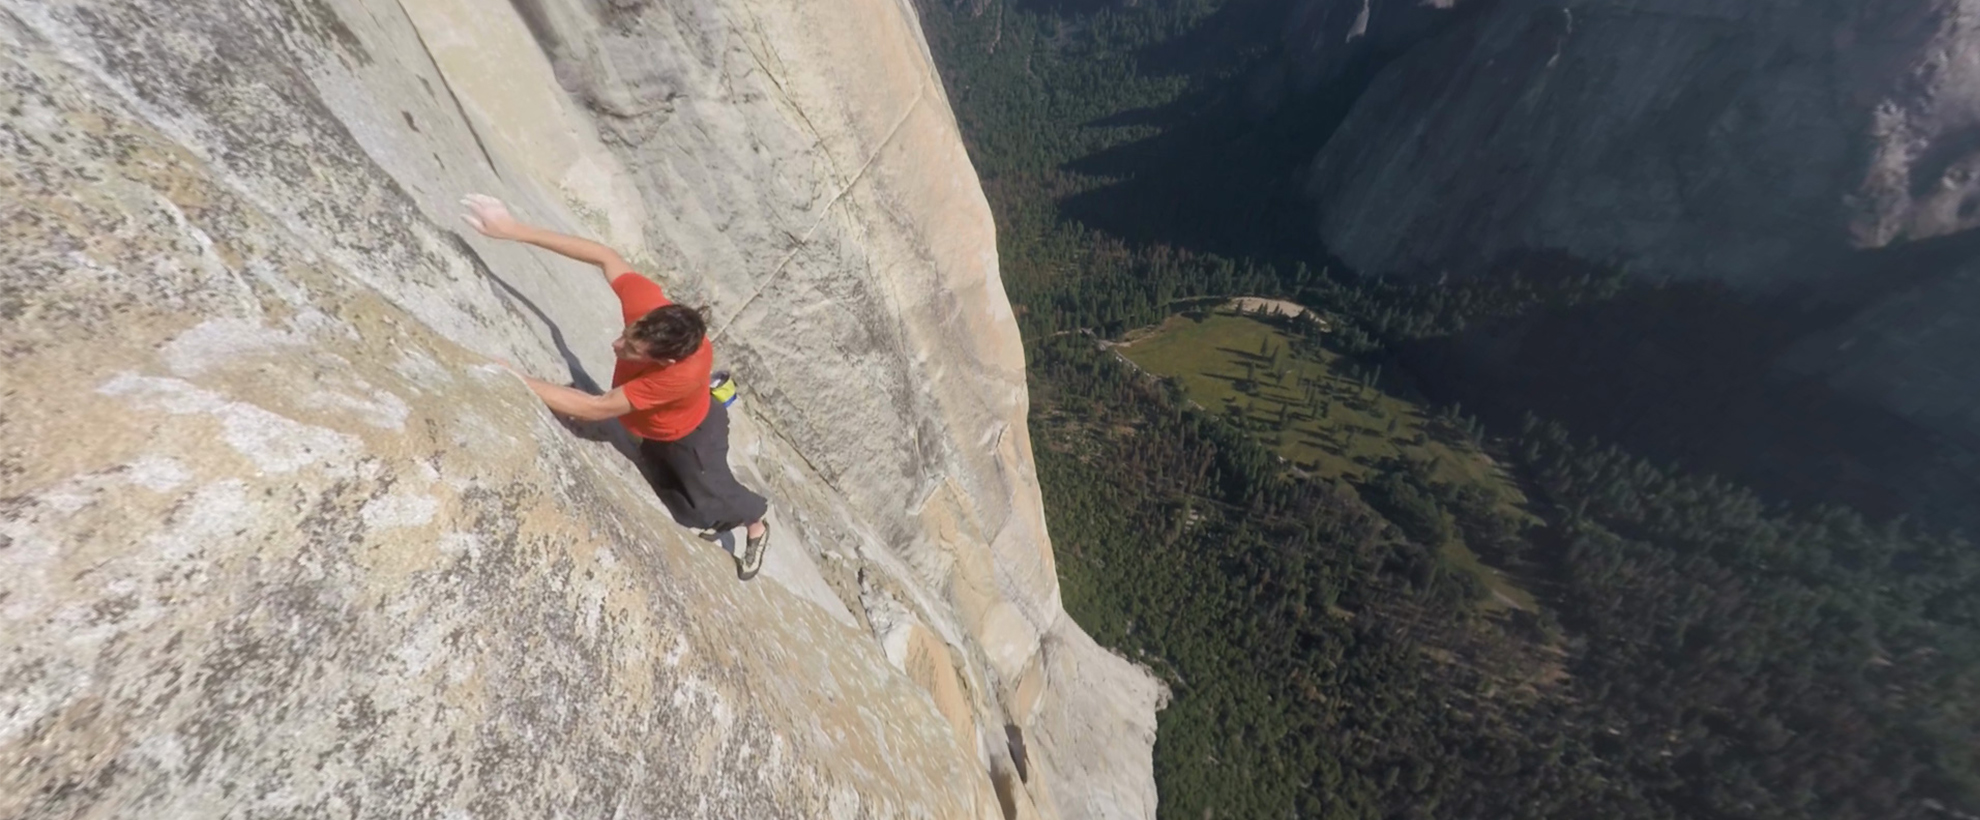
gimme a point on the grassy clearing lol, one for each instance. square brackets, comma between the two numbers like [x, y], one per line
[1307, 402]
[1322, 412]
[1505, 593]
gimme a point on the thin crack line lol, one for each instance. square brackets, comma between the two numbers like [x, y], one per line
[776, 80]
[449, 85]
[920, 94]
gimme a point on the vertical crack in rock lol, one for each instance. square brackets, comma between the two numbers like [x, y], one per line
[459, 110]
[825, 213]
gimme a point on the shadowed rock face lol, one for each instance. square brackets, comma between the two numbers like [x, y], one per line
[1775, 145]
[1691, 137]
[1321, 38]
[277, 539]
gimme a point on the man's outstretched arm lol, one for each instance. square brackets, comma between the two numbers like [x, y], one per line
[570, 401]
[489, 216]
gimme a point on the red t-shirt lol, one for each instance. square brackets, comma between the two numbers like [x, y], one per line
[669, 400]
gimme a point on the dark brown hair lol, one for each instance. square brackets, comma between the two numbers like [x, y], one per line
[669, 332]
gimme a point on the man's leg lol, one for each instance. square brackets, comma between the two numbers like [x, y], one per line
[739, 504]
[668, 468]
[693, 479]
[719, 490]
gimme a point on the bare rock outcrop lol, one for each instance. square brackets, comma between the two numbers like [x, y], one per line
[278, 539]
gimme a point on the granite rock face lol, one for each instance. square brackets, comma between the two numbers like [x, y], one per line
[1689, 137]
[1912, 351]
[1778, 146]
[278, 539]
[1320, 39]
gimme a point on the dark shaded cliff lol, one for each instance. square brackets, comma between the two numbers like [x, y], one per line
[1752, 142]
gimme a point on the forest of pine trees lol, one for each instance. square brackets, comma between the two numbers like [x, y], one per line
[1727, 660]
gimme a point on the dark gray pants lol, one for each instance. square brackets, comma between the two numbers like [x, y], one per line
[691, 476]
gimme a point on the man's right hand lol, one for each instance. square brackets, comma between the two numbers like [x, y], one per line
[489, 216]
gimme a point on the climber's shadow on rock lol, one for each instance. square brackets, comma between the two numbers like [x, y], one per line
[607, 431]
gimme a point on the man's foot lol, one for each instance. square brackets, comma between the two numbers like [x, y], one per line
[750, 560]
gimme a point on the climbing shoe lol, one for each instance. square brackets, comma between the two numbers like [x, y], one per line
[750, 560]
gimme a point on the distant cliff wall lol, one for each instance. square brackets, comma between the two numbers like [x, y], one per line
[1782, 146]
[278, 539]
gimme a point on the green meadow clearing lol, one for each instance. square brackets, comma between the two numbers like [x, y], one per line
[1324, 414]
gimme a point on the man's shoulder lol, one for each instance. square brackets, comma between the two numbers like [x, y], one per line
[634, 282]
[691, 371]
[662, 385]
[639, 293]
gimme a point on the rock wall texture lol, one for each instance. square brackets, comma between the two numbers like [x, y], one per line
[1321, 39]
[1695, 137]
[1777, 145]
[278, 540]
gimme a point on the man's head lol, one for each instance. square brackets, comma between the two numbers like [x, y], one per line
[665, 335]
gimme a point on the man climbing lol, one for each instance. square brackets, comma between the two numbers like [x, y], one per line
[659, 390]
